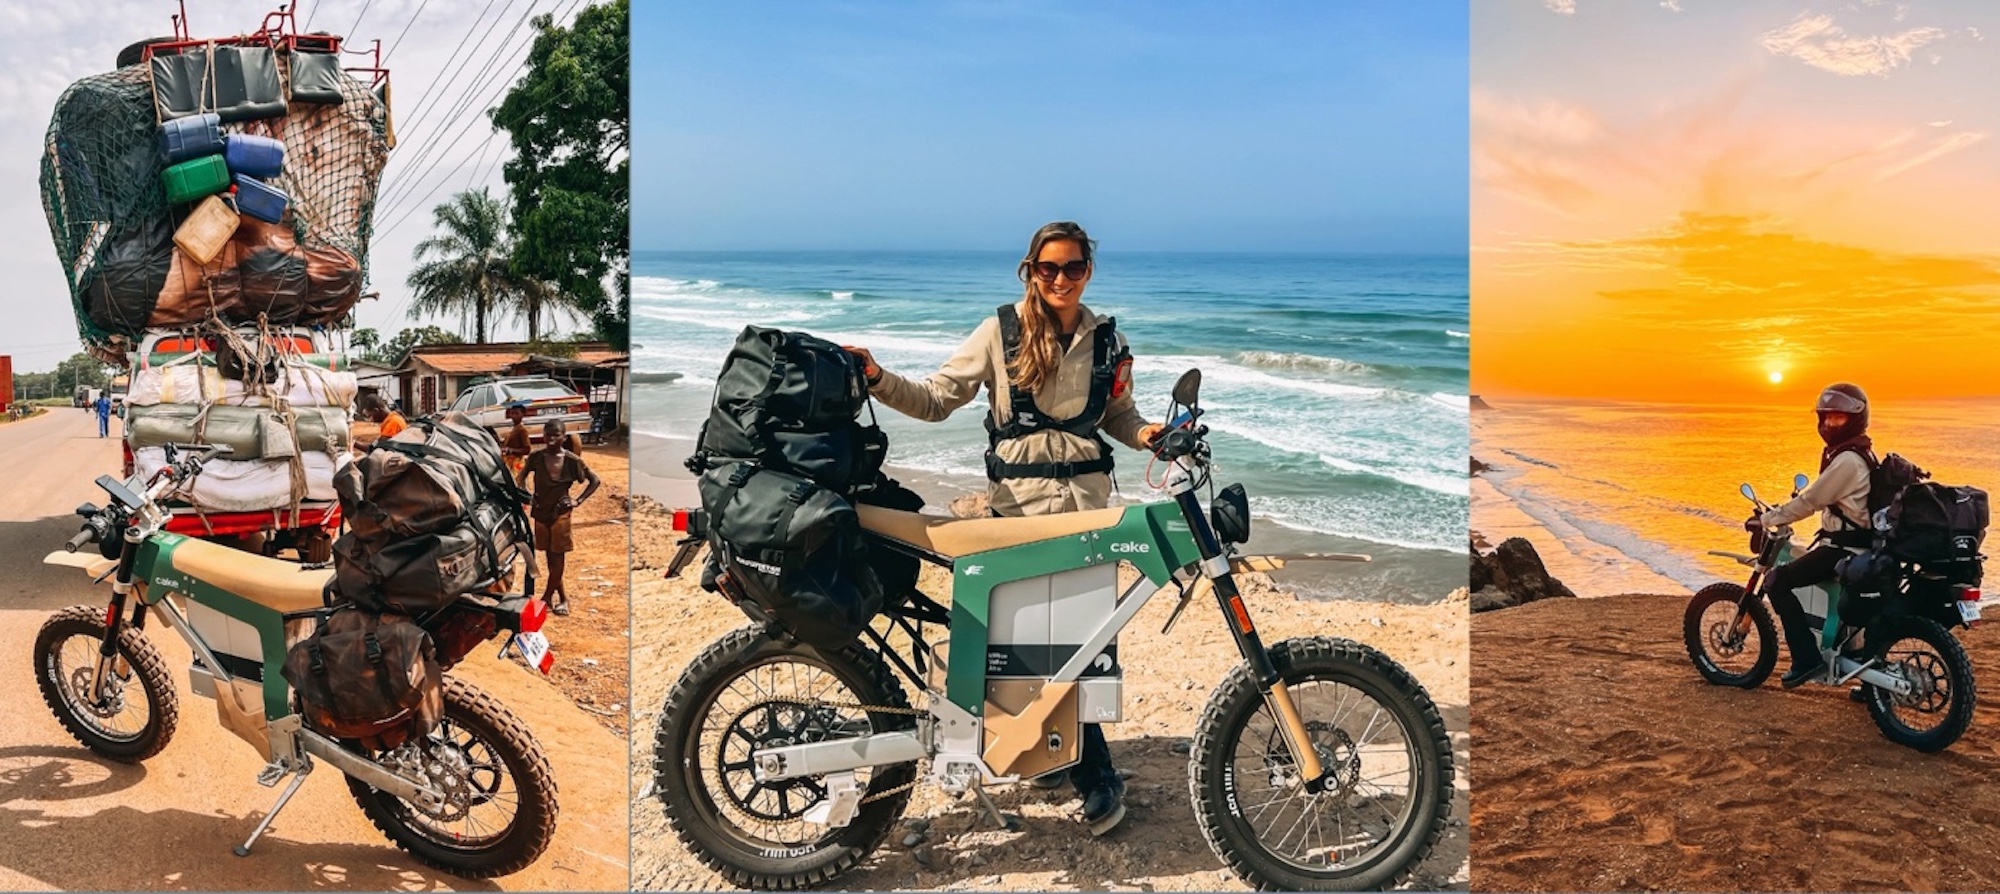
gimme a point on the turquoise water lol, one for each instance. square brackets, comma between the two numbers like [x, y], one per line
[1335, 384]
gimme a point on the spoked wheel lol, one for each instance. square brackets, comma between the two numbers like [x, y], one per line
[1387, 794]
[748, 692]
[133, 714]
[1938, 708]
[1730, 647]
[499, 808]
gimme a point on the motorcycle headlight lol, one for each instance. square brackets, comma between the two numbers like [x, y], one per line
[1230, 514]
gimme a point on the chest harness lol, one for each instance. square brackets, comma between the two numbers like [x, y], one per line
[1107, 355]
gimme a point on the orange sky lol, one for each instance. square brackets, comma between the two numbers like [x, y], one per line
[1675, 204]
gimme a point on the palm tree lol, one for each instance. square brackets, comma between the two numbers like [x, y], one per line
[465, 268]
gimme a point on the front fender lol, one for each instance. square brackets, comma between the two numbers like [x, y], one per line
[92, 564]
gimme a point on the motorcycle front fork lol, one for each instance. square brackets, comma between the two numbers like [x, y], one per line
[109, 665]
[1276, 696]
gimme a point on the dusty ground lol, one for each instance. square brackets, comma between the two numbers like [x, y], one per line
[1605, 763]
[1168, 679]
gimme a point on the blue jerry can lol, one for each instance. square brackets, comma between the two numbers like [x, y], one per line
[191, 137]
[254, 156]
[259, 199]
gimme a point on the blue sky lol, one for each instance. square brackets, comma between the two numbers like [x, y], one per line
[1295, 126]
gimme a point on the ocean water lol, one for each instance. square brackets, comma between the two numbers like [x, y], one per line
[1626, 493]
[1335, 385]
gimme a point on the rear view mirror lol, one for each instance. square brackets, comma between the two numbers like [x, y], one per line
[1799, 481]
[1748, 492]
[1187, 391]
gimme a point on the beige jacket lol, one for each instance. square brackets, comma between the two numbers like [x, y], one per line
[1843, 484]
[982, 361]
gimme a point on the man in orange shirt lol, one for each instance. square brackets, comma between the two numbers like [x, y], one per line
[377, 410]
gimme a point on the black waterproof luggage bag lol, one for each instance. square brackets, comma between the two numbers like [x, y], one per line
[789, 401]
[789, 552]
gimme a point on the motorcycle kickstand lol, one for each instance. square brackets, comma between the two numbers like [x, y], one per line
[291, 788]
[1006, 822]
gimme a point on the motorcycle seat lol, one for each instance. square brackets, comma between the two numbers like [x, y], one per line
[952, 537]
[272, 583]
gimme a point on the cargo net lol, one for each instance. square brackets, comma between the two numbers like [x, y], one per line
[114, 227]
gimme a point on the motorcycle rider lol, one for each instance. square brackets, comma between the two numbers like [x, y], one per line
[1840, 495]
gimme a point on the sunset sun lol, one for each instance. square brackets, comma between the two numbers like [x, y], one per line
[1777, 377]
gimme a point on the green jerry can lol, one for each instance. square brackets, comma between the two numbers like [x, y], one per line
[195, 178]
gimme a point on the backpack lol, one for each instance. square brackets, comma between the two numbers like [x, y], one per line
[369, 676]
[432, 515]
[789, 401]
[1935, 523]
[788, 552]
[1887, 477]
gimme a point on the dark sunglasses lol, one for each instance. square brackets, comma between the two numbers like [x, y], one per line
[1047, 270]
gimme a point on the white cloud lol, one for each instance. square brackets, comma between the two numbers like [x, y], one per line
[1818, 42]
[1563, 7]
[1671, 5]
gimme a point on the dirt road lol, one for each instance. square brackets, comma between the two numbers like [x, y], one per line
[1604, 763]
[69, 820]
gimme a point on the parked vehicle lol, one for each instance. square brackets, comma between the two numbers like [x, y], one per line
[1318, 763]
[545, 399]
[474, 796]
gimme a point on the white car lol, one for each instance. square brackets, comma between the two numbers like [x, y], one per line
[545, 399]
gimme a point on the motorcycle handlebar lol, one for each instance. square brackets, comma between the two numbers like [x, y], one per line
[82, 537]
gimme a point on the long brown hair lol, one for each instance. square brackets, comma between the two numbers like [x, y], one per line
[1039, 353]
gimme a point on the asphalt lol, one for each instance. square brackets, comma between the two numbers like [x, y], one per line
[72, 821]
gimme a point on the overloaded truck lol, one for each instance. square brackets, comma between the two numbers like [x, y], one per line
[211, 201]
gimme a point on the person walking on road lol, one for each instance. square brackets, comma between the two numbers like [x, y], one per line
[103, 415]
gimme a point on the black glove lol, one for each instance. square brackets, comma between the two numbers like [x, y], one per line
[1754, 523]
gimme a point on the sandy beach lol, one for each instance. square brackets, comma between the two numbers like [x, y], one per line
[1605, 762]
[1168, 680]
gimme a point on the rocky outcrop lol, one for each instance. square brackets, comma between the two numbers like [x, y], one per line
[1513, 574]
[1475, 403]
[1478, 467]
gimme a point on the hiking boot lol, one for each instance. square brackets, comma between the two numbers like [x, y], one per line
[1104, 806]
[1804, 673]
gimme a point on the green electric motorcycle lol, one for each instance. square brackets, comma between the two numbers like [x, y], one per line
[474, 797]
[1913, 674]
[1317, 764]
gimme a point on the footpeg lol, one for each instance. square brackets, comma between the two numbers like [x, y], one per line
[841, 804]
[271, 773]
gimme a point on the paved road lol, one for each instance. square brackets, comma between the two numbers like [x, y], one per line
[69, 820]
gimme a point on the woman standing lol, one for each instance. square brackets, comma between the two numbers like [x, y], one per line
[1058, 378]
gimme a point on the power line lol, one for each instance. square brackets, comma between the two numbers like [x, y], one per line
[434, 99]
[564, 95]
[351, 29]
[406, 30]
[400, 184]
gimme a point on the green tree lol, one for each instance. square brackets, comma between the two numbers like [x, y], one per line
[467, 267]
[569, 121]
[391, 352]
